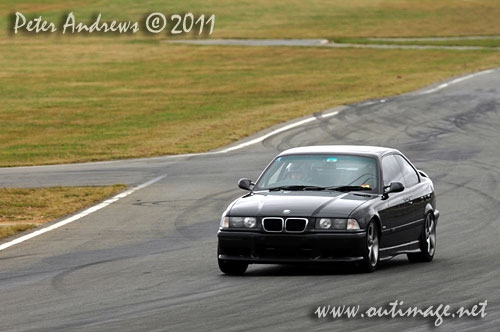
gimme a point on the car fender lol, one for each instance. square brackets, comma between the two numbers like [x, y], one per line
[363, 214]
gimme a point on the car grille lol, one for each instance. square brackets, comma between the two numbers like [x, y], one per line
[272, 224]
[296, 225]
[291, 225]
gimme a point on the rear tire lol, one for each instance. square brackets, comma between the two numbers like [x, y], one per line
[234, 268]
[427, 241]
[371, 250]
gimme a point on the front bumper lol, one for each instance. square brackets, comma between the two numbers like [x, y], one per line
[254, 247]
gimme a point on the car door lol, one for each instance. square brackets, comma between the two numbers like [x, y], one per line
[394, 211]
[416, 200]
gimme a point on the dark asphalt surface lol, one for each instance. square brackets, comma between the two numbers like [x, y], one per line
[148, 261]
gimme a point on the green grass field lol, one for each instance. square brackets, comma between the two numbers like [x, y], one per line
[73, 99]
[24, 208]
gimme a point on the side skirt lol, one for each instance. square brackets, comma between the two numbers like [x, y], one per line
[405, 248]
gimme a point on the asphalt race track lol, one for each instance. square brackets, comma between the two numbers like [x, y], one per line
[148, 261]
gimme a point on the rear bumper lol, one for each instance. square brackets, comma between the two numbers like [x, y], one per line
[291, 248]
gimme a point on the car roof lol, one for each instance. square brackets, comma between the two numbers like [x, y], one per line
[377, 151]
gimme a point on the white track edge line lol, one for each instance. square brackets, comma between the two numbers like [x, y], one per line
[79, 215]
[277, 131]
[457, 80]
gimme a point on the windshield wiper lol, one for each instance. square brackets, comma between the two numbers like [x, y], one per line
[347, 188]
[314, 188]
[335, 188]
[296, 187]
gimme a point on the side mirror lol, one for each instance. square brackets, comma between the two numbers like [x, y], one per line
[394, 187]
[245, 184]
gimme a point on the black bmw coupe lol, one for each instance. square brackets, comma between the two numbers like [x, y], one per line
[331, 204]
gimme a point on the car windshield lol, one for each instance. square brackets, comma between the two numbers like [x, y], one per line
[320, 172]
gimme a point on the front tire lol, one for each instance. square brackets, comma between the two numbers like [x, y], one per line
[427, 241]
[371, 250]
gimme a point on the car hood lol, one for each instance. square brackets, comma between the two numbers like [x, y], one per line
[299, 204]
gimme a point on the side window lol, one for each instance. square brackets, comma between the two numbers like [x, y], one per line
[391, 170]
[409, 173]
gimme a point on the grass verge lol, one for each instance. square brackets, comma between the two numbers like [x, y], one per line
[22, 209]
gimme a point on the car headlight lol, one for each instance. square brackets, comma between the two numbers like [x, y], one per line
[249, 222]
[238, 222]
[324, 223]
[336, 224]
